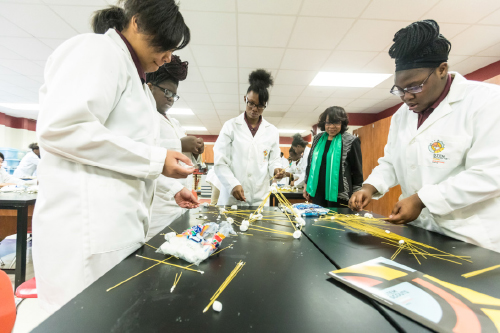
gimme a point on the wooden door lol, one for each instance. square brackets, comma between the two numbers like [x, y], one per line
[373, 139]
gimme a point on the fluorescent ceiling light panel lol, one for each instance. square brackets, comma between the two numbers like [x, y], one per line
[195, 128]
[180, 111]
[335, 79]
[290, 131]
[21, 106]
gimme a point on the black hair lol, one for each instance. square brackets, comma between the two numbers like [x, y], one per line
[33, 146]
[298, 141]
[174, 71]
[110, 18]
[336, 114]
[260, 80]
[159, 19]
[281, 154]
[292, 152]
[2, 157]
[419, 45]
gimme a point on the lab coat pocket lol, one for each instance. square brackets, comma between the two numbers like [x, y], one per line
[115, 213]
[441, 151]
[470, 230]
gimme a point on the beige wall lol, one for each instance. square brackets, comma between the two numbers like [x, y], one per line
[16, 138]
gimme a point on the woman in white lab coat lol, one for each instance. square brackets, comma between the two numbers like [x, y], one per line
[5, 178]
[170, 192]
[247, 153]
[443, 144]
[29, 163]
[98, 131]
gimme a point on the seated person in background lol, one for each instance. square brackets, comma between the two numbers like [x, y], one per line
[5, 178]
[292, 172]
[284, 161]
[28, 165]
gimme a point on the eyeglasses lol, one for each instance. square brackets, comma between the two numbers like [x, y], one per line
[252, 105]
[412, 90]
[169, 93]
[333, 124]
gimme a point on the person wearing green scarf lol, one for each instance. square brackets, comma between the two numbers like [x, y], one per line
[334, 169]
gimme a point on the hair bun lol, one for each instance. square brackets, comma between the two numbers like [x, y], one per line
[413, 38]
[260, 78]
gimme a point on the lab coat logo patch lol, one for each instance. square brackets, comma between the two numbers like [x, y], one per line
[265, 154]
[436, 147]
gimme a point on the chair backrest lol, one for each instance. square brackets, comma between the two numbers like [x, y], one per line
[7, 304]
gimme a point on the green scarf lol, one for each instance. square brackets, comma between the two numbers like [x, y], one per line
[332, 167]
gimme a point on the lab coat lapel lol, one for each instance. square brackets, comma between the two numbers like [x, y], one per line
[262, 129]
[243, 127]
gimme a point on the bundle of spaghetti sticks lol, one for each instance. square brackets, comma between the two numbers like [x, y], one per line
[375, 227]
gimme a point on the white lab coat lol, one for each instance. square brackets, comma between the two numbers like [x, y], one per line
[27, 166]
[300, 169]
[98, 131]
[284, 162]
[241, 159]
[165, 209]
[459, 185]
[6, 178]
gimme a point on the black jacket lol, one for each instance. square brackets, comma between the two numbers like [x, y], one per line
[351, 177]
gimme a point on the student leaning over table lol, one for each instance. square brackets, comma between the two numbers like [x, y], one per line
[28, 165]
[443, 145]
[247, 152]
[98, 131]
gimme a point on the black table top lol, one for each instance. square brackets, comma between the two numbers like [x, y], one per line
[11, 199]
[282, 288]
[348, 248]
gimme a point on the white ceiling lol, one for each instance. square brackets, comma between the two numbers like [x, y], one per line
[294, 39]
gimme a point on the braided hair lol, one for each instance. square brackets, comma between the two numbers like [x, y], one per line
[260, 80]
[174, 71]
[419, 45]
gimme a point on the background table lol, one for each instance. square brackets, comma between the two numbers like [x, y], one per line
[282, 288]
[292, 197]
[346, 248]
[19, 202]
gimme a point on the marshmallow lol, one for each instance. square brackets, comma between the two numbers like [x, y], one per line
[245, 222]
[387, 231]
[297, 234]
[169, 235]
[401, 242]
[368, 215]
[217, 306]
[234, 207]
[230, 220]
[243, 227]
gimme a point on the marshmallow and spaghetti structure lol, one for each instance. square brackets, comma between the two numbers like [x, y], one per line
[374, 227]
[223, 286]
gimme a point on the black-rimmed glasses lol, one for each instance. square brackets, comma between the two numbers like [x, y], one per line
[252, 105]
[169, 93]
[395, 90]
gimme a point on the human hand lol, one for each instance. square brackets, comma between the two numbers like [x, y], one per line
[238, 193]
[406, 210]
[185, 199]
[172, 169]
